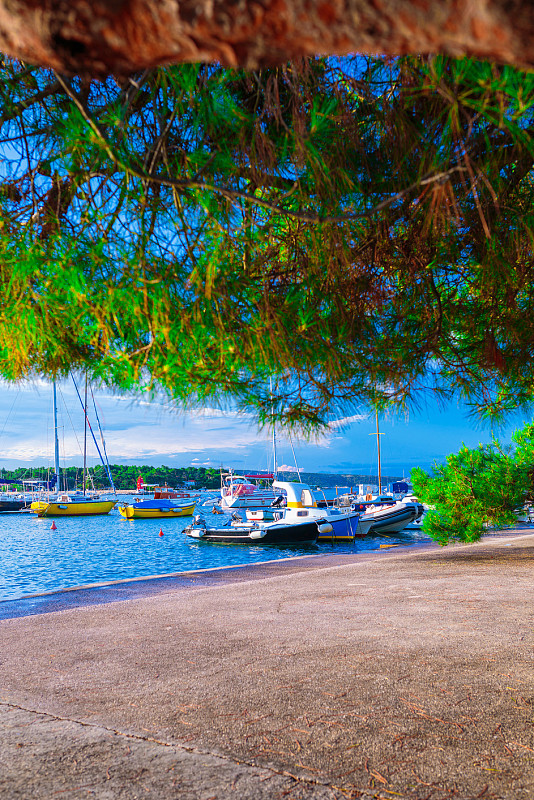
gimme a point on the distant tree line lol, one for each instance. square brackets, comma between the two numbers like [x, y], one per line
[124, 476]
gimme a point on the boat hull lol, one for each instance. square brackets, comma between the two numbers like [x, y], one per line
[248, 501]
[393, 519]
[75, 509]
[12, 505]
[131, 512]
[345, 530]
[305, 533]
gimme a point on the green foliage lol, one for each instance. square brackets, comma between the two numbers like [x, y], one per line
[124, 476]
[357, 230]
[476, 488]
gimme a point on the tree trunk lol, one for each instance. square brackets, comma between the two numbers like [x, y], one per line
[123, 36]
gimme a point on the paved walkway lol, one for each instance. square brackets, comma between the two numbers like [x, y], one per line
[399, 673]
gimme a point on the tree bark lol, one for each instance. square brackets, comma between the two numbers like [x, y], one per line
[122, 36]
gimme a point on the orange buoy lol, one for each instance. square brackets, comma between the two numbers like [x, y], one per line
[53, 526]
[161, 531]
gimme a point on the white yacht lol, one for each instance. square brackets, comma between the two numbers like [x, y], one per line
[246, 491]
[300, 504]
[393, 516]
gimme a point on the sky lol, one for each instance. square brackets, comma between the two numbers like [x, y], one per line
[139, 432]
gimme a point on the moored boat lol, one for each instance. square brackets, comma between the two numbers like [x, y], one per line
[14, 503]
[276, 531]
[344, 523]
[75, 504]
[165, 492]
[21, 500]
[393, 517]
[158, 507]
[246, 491]
[66, 505]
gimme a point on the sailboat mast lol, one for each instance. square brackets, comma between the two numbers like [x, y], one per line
[85, 437]
[56, 439]
[379, 461]
[274, 428]
[274, 452]
[294, 456]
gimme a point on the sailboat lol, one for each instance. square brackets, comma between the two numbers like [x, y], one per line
[251, 490]
[384, 514]
[66, 504]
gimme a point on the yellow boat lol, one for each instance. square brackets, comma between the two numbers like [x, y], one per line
[67, 506]
[151, 509]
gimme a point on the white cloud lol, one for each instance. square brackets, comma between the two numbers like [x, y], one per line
[133, 431]
[138, 431]
[345, 422]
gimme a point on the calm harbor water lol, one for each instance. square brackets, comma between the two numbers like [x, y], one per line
[34, 558]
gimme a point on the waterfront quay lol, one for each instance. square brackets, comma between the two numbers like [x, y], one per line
[403, 672]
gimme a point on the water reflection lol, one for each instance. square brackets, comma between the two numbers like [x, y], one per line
[34, 558]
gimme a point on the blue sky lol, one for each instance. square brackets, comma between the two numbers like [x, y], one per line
[138, 432]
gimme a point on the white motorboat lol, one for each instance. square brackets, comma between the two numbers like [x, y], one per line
[384, 513]
[301, 505]
[246, 491]
[391, 517]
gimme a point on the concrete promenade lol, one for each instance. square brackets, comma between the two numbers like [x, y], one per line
[403, 672]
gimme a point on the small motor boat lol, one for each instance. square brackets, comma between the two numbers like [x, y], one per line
[278, 531]
[150, 509]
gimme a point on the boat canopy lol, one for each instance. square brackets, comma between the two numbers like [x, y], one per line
[162, 503]
[299, 495]
[230, 477]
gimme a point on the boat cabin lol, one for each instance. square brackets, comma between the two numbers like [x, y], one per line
[265, 514]
[299, 495]
[242, 485]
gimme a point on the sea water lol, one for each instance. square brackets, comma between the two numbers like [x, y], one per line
[83, 550]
